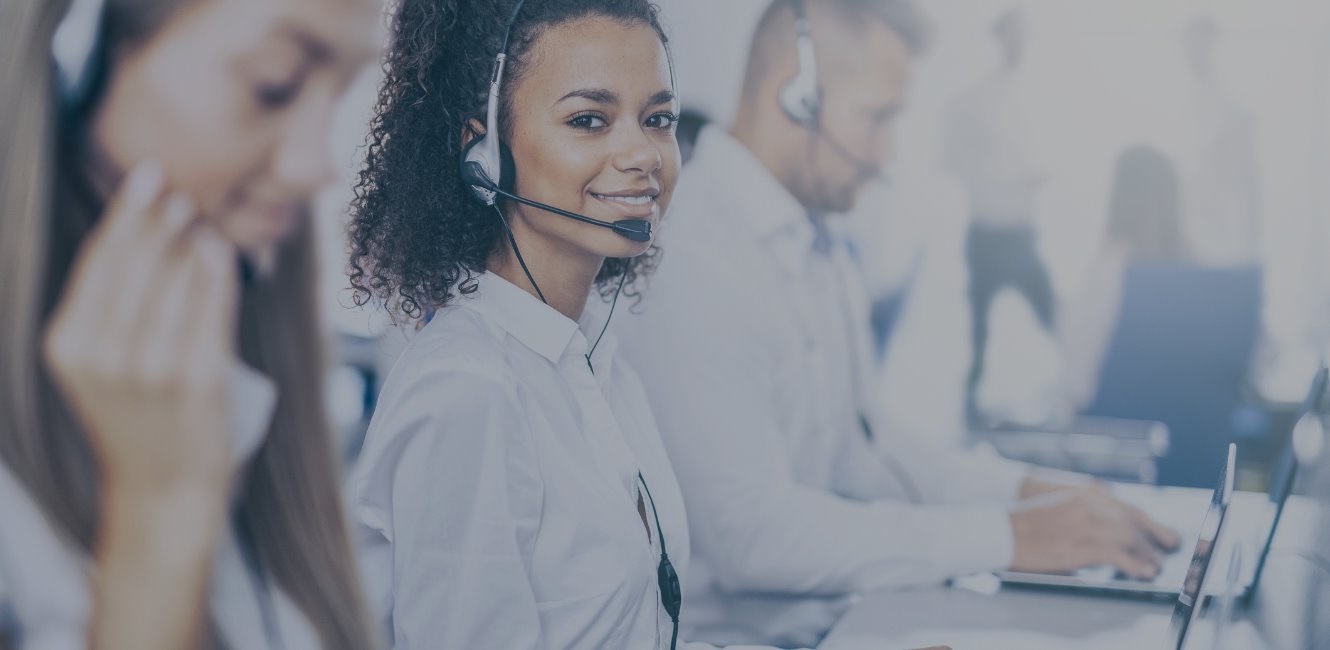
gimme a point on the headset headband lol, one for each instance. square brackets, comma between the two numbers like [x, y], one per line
[483, 163]
[77, 52]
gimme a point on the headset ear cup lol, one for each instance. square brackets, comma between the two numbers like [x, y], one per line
[794, 103]
[801, 96]
[471, 167]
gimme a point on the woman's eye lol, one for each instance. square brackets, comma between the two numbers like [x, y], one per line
[663, 121]
[587, 122]
[276, 95]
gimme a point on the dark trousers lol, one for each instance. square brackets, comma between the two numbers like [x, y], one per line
[1000, 257]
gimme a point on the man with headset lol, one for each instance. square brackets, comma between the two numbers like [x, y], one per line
[752, 343]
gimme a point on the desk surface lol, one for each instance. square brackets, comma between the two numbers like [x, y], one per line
[1029, 619]
[1019, 620]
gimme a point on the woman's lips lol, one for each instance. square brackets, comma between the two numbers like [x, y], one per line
[630, 206]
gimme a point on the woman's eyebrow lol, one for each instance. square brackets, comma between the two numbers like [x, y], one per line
[662, 97]
[598, 95]
[314, 47]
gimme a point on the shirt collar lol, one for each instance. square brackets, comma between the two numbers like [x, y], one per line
[533, 323]
[771, 212]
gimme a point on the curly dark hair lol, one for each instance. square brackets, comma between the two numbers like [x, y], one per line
[418, 235]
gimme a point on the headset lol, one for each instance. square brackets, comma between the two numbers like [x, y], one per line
[801, 97]
[78, 52]
[671, 593]
[487, 167]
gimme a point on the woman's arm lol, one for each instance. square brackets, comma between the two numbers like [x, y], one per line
[153, 558]
[140, 346]
[438, 484]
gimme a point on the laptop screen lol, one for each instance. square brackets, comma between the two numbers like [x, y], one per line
[1281, 480]
[1190, 598]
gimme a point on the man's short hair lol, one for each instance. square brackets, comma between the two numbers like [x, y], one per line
[775, 31]
[903, 17]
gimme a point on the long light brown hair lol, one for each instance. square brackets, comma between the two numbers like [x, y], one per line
[291, 495]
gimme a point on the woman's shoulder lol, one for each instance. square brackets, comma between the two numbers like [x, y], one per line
[457, 344]
[449, 408]
[454, 375]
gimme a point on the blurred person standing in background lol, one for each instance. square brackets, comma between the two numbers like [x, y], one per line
[1144, 225]
[1220, 179]
[988, 147]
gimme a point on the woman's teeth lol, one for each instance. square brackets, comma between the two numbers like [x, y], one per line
[626, 200]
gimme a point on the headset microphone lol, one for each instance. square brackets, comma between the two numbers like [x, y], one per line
[866, 169]
[635, 229]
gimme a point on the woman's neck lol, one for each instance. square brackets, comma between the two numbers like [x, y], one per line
[563, 274]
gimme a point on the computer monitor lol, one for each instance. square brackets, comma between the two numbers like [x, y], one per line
[1191, 597]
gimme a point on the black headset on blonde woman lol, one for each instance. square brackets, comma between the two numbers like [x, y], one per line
[487, 167]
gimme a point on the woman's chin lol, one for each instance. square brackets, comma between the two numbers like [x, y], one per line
[625, 248]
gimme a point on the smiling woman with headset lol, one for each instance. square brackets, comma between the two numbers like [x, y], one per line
[166, 476]
[513, 489]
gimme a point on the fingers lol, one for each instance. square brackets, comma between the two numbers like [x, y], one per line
[128, 208]
[165, 338]
[129, 205]
[211, 328]
[114, 274]
[158, 252]
[1125, 562]
[1161, 535]
[85, 293]
[1145, 552]
[1069, 530]
[1139, 537]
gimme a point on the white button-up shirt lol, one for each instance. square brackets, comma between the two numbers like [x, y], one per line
[497, 494]
[754, 350]
[45, 599]
[990, 146]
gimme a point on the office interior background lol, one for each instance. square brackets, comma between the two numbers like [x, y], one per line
[1102, 245]
[1094, 81]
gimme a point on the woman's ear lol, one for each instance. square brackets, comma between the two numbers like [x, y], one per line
[471, 130]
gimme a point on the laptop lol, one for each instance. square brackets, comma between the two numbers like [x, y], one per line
[1282, 480]
[1174, 569]
[1191, 595]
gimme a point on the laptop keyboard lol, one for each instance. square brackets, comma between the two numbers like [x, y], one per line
[1172, 573]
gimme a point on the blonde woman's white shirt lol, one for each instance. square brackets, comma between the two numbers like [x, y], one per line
[45, 597]
[497, 494]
